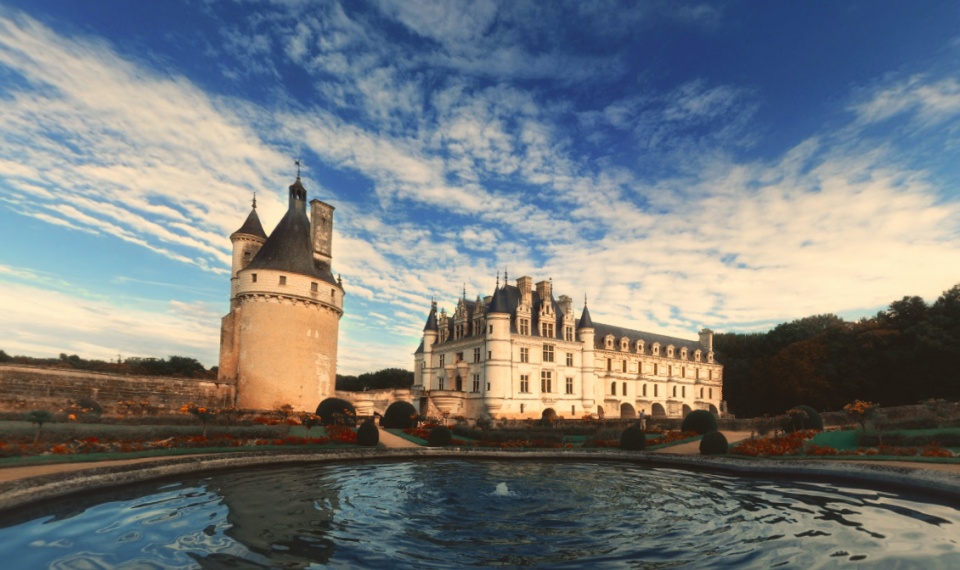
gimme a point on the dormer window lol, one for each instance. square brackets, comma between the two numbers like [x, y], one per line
[683, 353]
[670, 351]
[640, 347]
[696, 356]
[624, 344]
[609, 342]
[656, 349]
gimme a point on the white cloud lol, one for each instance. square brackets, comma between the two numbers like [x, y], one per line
[931, 101]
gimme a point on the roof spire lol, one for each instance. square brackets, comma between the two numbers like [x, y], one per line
[498, 278]
[297, 162]
[464, 291]
[254, 200]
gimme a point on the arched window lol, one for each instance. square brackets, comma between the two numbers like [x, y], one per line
[613, 388]
[674, 391]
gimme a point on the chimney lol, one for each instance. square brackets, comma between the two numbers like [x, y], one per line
[321, 230]
[544, 290]
[706, 339]
[525, 284]
[566, 305]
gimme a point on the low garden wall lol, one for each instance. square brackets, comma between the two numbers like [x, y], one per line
[24, 388]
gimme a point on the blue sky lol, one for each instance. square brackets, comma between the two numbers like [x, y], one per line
[682, 164]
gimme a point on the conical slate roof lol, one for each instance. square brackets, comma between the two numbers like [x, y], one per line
[432, 320]
[500, 302]
[585, 321]
[289, 247]
[252, 225]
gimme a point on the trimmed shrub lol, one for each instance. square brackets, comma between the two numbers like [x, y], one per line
[713, 443]
[335, 411]
[633, 439]
[439, 436]
[367, 434]
[700, 422]
[801, 418]
[399, 415]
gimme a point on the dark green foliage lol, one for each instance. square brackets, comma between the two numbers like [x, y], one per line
[439, 436]
[827, 362]
[382, 379]
[633, 439]
[699, 421]
[802, 417]
[335, 411]
[367, 434]
[39, 417]
[713, 443]
[4, 357]
[399, 415]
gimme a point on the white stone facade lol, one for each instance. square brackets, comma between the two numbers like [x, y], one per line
[521, 353]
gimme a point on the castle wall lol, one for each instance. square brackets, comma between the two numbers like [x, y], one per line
[25, 388]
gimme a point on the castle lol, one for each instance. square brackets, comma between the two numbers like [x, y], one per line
[278, 343]
[521, 353]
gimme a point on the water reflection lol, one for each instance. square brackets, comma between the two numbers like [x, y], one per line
[450, 513]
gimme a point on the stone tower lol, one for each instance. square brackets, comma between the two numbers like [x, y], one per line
[278, 344]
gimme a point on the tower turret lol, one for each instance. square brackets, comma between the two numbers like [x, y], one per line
[497, 366]
[585, 332]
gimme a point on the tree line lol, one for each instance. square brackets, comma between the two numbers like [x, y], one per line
[379, 380]
[176, 366]
[903, 355]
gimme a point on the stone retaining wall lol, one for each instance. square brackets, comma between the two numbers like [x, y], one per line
[25, 388]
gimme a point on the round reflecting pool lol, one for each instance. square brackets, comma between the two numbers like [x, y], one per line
[442, 514]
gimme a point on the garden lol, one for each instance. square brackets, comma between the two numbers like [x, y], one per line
[81, 431]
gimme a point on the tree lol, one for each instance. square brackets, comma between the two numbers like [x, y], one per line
[39, 417]
[4, 357]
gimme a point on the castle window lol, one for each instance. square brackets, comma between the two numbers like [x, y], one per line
[656, 350]
[253, 277]
[698, 373]
[546, 330]
[670, 371]
[655, 390]
[283, 279]
[521, 408]
[640, 347]
[524, 354]
[609, 365]
[524, 384]
[459, 357]
[701, 393]
[524, 327]
[489, 355]
[548, 353]
[313, 287]
[546, 381]
[246, 256]
[674, 391]
[656, 369]
[644, 390]
[696, 356]
[711, 375]
[569, 359]
[567, 333]
[442, 358]
[683, 353]
[683, 371]
[683, 391]
[440, 384]
[569, 385]
[624, 388]
[613, 388]
[624, 345]
[476, 382]
[476, 355]
[609, 342]
[573, 410]
[624, 366]
[333, 294]
[711, 393]
[488, 386]
[491, 329]
[670, 351]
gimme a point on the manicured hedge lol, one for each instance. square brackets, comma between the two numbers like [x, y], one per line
[713, 443]
[700, 422]
[399, 415]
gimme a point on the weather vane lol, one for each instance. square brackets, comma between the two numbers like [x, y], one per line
[297, 162]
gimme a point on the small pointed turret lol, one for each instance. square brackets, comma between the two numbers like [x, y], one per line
[585, 321]
[252, 225]
[432, 319]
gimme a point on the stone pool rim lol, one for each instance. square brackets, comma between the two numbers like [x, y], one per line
[35, 490]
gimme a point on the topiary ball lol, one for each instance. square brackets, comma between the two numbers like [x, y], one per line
[334, 411]
[700, 422]
[802, 417]
[439, 436]
[633, 439]
[399, 415]
[367, 434]
[713, 443]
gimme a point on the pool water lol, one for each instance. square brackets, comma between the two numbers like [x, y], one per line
[446, 513]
